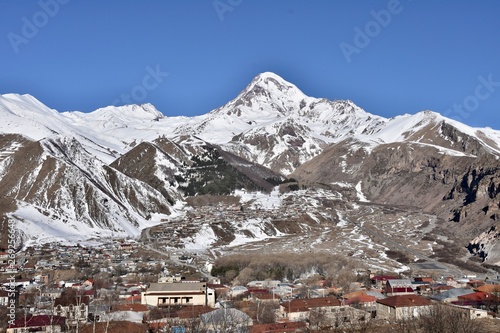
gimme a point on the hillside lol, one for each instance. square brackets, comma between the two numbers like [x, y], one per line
[73, 176]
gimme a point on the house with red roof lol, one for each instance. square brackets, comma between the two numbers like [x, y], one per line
[88, 284]
[190, 312]
[489, 288]
[4, 256]
[41, 323]
[379, 281]
[299, 309]
[479, 299]
[4, 298]
[131, 307]
[403, 307]
[439, 288]
[360, 300]
[266, 297]
[133, 299]
[426, 279]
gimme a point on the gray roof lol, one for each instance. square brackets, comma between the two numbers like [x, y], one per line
[376, 294]
[174, 287]
[225, 316]
[399, 283]
[239, 288]
[452, 293]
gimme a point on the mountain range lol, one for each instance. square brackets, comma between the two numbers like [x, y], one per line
[73, 176]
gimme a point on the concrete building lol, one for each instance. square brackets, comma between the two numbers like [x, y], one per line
[403, 307]
[169, 294]
[299, 309]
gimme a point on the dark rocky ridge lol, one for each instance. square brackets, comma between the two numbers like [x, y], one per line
[462, 191]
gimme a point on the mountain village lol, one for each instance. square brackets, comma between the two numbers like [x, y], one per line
[124, 286]
[277, 212]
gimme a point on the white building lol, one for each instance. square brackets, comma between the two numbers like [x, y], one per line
[189, 293]
[237, 290]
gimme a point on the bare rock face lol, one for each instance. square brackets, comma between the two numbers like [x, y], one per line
[487, 246]
[290, 146]
[114, 170]
[67, 185]
[461, 189]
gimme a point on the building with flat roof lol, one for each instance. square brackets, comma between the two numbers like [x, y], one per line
[178, 293]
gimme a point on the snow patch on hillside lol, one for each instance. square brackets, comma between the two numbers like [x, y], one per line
[255, 228]
[38, 228]
[259, 200]
[202, 240]
[360, 194]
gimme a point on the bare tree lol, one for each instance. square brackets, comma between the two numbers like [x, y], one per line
[318, 319]
[344, 279]
[246, 275]
[226, 320]
[194, 325]
[360, 322]
[407, 324]
[447, 319]
[267, 312]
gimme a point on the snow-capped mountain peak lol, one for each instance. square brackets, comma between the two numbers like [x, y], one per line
[274, 86]
[268, 95]
[119, 116]
[117, 169]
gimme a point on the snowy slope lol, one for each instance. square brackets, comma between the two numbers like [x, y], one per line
[415, 128]
[271, 122]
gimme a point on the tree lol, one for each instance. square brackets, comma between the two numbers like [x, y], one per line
[344, 279]
[263, 312]
[360, 322]
[317, 318]
[267, 314]
[194, 325]
[246, 275]
[228, 320]
[448, 319]
[407, 324]
[230, 275]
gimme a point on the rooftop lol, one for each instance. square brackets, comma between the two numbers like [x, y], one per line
[175, 287]
[296, 305]
[404, 301]
[37, 321]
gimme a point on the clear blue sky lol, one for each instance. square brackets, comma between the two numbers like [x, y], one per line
[417, 55]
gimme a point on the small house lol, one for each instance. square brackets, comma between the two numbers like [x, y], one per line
[403, 307]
